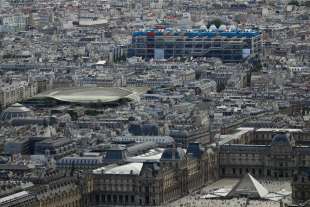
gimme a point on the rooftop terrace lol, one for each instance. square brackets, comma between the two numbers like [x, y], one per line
[203, 32]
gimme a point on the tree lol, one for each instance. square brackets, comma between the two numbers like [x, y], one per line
[306, 4]
[239, 18]
[73, 115]
[92, 112]
[294, 3]
[216, 22]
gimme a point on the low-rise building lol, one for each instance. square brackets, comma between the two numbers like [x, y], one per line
[20, 199]
[55, 147]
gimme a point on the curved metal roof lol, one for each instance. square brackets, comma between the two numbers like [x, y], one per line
[15, 108]
[92, 94]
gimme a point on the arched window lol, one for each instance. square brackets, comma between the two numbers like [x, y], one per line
[253, 171]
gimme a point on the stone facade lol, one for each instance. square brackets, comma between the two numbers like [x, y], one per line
[61, 195]
[279, 159]
[157, 182]
[301, 186]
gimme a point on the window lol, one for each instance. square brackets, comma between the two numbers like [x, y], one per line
[268, 172]
[147, 199]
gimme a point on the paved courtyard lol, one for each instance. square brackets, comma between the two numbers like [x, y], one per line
[195, 200]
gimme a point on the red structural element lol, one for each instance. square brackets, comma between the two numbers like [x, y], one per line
[160, 26]
[151, 34]
[170, 17]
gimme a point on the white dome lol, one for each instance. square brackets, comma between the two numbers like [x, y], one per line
[204, 27]
[15, 111]
[232, 28]
[222, 28]
[212, 27]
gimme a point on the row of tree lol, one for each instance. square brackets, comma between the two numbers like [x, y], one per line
[297, 3]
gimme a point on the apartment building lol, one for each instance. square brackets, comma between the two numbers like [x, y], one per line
[11, 93]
